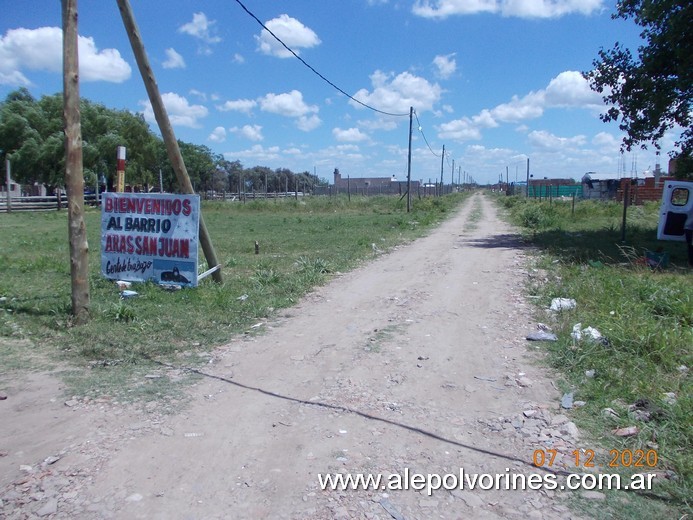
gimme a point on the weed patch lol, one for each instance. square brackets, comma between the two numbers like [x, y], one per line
[301, 243]
[646, 317]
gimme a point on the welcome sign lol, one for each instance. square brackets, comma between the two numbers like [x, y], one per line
[150, 237]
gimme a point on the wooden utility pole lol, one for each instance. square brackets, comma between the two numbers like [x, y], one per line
[74, 178]
[452, 175]
[442, 163]
[411, 116]
[165, 127]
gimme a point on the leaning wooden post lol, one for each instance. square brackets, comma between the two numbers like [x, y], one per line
[165, 127]
[74, 178]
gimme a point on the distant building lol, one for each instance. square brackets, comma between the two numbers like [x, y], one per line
[372, 185]
[673, 167]
[600, 185]
[15, 189]
[606, 185]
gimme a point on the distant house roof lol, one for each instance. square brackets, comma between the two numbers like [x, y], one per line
[594, 176]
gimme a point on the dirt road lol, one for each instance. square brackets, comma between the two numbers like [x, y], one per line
[415, 362]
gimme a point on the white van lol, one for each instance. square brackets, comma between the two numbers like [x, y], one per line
[677, 201]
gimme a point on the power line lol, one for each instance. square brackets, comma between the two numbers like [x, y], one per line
[312, 69]
[447, 159]
[424, 135]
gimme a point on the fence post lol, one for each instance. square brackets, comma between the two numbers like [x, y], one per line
[626, 196]
[7, 172]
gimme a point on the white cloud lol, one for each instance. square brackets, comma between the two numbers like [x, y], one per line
[382, 123]
[459, 130]
[180, 112]
[218, 135]
[106, 65]
[200, 28]
[250, 132]
[238, 58]
[606, 142]
[528, 107]
[350, 135]
[549, 141]
[549, 8]
[442, 9]
[173, 60]
[201, 95]
[397, 94]
[570, 88]
[289, 104]
[445, 66]
[239, 105]
[567, 90]
[445, 8]
[308, 123]
[41, 49]
[292, 32]
[484, 120]
[257, 153]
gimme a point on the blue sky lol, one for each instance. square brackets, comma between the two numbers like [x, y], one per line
[495, 81]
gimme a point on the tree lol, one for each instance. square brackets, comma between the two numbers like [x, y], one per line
[653, 93]
[199, 161]
[231, 171]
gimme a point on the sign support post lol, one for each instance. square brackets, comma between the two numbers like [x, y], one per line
[120, 169]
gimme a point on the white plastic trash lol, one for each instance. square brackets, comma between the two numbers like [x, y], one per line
[586, 333]
[562, 304]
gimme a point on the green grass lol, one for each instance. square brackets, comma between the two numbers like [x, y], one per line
[475, 216]
[380, 337]
[301, 244]
[593, 232]
[647, 317]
